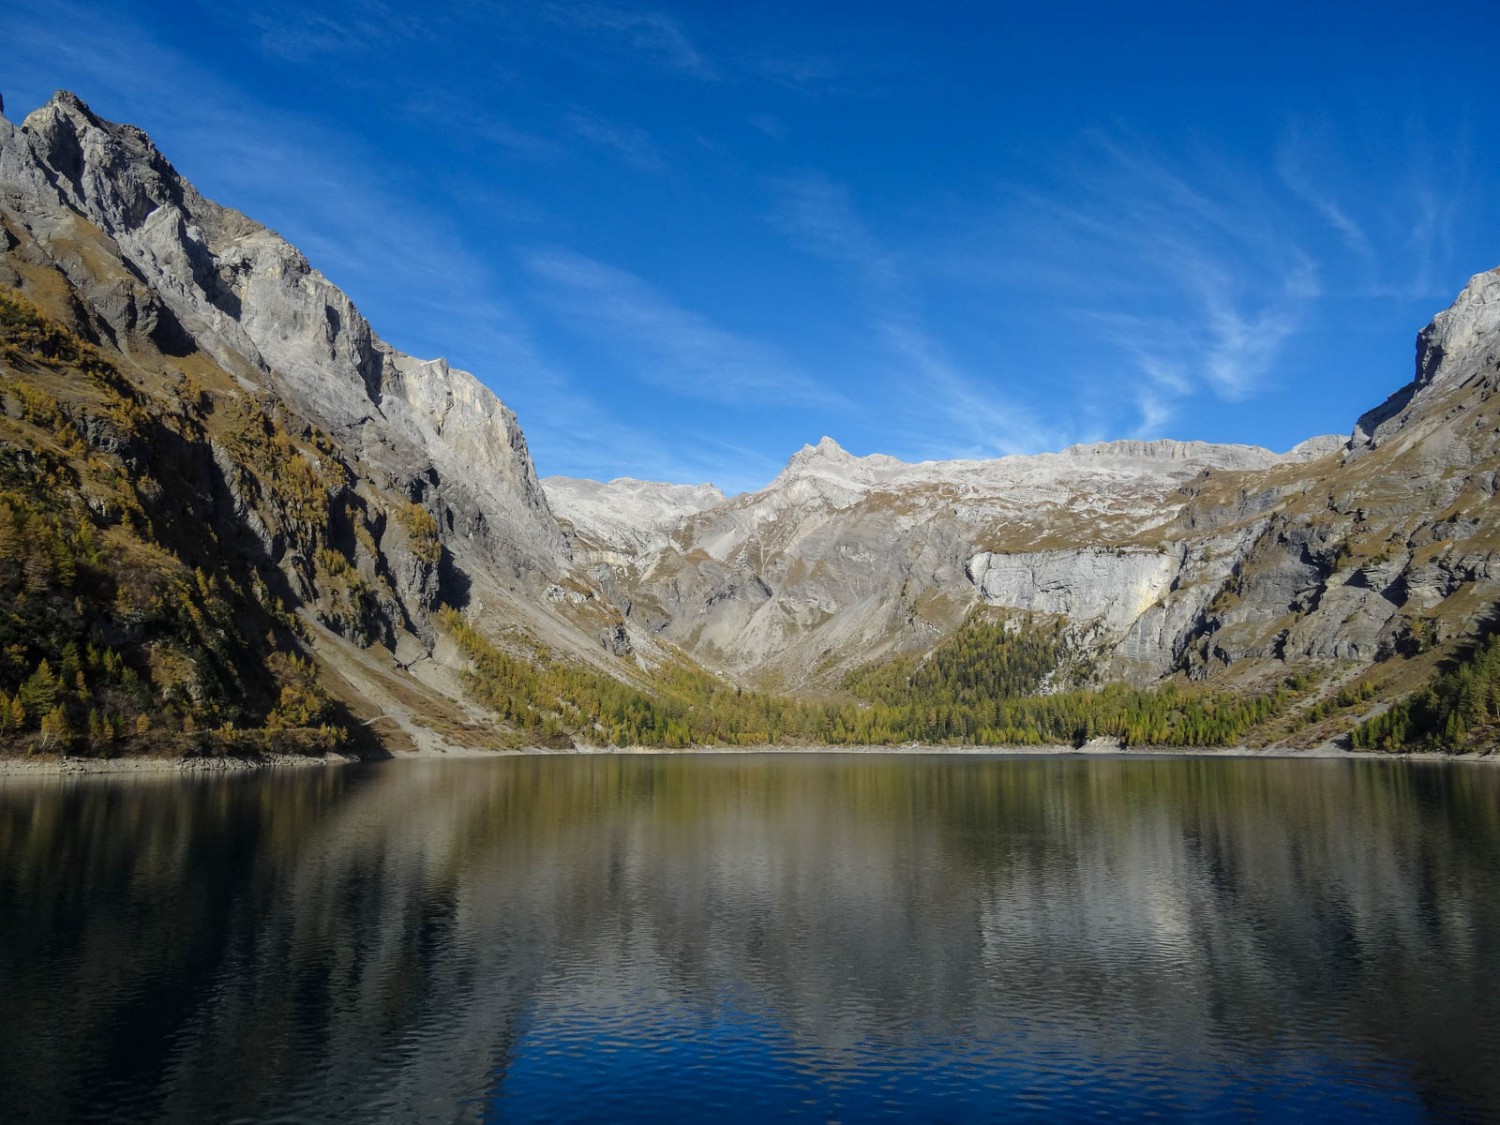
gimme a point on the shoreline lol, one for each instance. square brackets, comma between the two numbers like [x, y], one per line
[48, 766]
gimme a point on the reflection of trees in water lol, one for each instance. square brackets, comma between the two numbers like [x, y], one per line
[386, 937]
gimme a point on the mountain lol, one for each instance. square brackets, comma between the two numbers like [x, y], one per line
[1223, 563]
[841, 558]
[248, 366]
[227, 505]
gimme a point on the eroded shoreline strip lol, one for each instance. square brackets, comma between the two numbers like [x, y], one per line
[52, 766]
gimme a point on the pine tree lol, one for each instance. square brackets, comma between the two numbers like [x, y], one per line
[55, 725]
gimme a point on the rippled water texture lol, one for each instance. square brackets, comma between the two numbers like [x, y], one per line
[837, 937]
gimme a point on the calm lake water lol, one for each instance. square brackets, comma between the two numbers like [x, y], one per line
[830, 937]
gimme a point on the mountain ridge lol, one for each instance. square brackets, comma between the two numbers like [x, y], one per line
[391, 506]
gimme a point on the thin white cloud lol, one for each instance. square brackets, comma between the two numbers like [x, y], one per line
[296, 33]
[769, 124]
[1205, 248]
[1400, 233]
[826, 74]
[563, 423]
[452, 112]
[1156, 411]
[1429, 240]
[959, 415]
[949, 412]
[804, 72]
[667, 345]
[1290, 166]
[648, 33]
[817, 214]
[633, 144]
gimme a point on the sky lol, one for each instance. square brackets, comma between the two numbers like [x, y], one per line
[682, 240]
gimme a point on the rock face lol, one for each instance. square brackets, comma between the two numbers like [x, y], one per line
[1457, 343]
[632, 516]
[843, 559]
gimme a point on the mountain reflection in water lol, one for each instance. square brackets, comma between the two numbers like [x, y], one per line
[835, 936]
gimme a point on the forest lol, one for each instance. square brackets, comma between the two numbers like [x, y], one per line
[127, 627]
[1459, 710]
[978, 688]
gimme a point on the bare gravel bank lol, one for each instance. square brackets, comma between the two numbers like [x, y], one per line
[54, 766]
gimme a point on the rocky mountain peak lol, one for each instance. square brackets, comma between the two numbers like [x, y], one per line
[627, 514]
[830, 463]
[112, 172]
[197, 276]
[1163, 557]
[1447, 345]
[1458, 343]
[827, 453]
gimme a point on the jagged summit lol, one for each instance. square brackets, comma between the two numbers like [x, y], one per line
[1455, 346]
[825, 449]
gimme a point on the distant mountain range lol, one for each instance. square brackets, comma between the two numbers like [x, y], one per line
[227, 505]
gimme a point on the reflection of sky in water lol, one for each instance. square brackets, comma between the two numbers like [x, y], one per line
[833, 936]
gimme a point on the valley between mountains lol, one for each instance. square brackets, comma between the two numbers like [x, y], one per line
[234, 521]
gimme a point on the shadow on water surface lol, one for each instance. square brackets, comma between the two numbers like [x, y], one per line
[831, 936]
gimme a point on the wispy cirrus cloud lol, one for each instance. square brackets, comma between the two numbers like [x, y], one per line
[818, 215]
[804, 72]
[1399, 232]
[667, 345]
[768, 124]
[563, 422]
[1211, 266]
[948, 410]
[951, 410]
[1186, 273]
[647, 33]
[448, 111]
[298, 33]
[631, 143]
[1292, 166]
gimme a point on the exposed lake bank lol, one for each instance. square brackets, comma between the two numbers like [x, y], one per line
[52, 765]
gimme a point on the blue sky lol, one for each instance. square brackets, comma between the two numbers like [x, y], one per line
[682, 240]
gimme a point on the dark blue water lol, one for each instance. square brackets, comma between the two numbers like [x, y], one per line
[827, 938]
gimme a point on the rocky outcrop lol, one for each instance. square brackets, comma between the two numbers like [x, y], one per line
[627, 515]
[341, 481]
[1111, 588]
[1458, 345]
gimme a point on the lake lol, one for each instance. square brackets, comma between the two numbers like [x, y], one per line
[830, 937]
